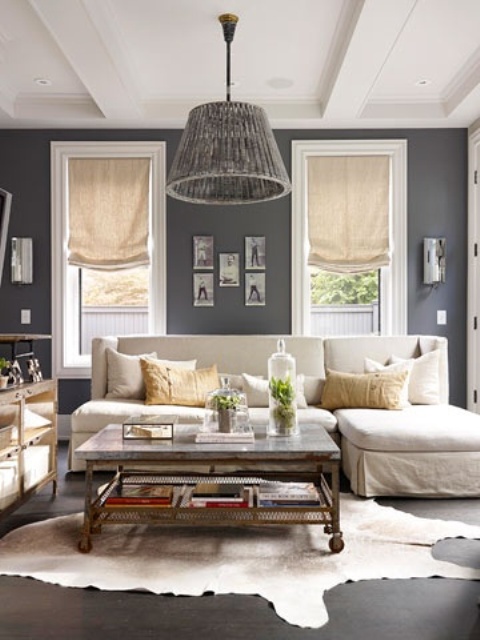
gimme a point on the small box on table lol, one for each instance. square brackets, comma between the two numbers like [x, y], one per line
[155, 427]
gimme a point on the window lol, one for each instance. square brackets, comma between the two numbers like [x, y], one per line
[392, 279]
[137, 289]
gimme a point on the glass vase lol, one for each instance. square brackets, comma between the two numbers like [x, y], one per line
[226, 409]
[282, 393]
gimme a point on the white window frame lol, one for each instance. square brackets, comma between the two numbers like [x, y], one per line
[393, 307]
[67, 361]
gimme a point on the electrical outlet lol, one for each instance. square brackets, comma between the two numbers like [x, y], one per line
[25, 316]
[441, 316]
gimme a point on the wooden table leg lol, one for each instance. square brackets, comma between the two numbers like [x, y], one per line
[85, 543]
[336, 542]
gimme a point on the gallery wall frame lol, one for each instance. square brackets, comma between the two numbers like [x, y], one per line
[203, 290]
[229, 269]
[203, 252]
[255, 252]
[255, 289]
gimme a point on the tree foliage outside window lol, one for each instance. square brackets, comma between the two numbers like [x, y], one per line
[124, 287]
[333, 289]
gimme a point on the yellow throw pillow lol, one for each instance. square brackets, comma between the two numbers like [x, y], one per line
[173, 385]
[380, 390]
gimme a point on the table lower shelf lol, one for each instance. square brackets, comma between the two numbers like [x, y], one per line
[179, 512]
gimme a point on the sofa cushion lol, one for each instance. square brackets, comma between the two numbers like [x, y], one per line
[313, 389]
[418, 428]
[256, 389]
[381, 390]
[371, 366]
[424, 382]
[165, 384]
[124, 374]
[93, 415]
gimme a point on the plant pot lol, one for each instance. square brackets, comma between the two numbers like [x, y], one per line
[3, 382]
[226, 420]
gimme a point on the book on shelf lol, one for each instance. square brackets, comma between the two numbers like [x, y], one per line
[288, 494]
[225, 503]
[216, 437]
[140, 494]
[218, 491]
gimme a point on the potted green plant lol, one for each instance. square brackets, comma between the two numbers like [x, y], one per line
[3, 378]
[226, 407]
[283, 409]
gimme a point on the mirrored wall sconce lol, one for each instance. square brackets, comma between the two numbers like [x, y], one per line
[22, 261]
[434, 260]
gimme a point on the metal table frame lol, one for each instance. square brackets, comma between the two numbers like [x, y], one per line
[310, 457]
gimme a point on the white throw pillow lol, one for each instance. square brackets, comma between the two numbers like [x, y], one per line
[372, 366]
[313, 389]
[124, 374]
[424, 384]
[256, 390]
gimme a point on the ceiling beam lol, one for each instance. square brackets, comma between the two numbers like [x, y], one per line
[373, 36]
[85, 33]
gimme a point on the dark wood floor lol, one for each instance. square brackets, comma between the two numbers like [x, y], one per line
[434, 609]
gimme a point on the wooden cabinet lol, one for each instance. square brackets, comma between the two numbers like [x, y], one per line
[28, 442]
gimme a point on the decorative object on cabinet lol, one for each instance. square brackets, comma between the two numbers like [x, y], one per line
[4, 365]
[33, 372]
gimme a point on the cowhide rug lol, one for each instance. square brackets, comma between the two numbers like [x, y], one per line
[291, 567]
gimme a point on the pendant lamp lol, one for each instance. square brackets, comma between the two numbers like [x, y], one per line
[227, 153]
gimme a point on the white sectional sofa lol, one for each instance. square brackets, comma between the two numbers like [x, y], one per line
[429, 448]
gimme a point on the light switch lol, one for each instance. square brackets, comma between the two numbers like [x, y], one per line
[441, 316]
[25, 316]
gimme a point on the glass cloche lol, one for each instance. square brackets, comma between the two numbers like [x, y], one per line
[282, 392]
[226, 409]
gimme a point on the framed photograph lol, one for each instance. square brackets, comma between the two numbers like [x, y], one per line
[15, 375]
[203, 291]
[229, 272]
[34, 370]
[255, 254]
[255, 289]
[203, 252]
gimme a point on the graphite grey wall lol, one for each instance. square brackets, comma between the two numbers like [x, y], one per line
[437, 206]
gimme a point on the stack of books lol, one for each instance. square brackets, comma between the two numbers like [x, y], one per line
[140, 495]
[288, 494]
[226, 495]
[217, 437]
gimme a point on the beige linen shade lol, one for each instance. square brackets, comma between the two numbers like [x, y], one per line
[108, 212]
[348, 213]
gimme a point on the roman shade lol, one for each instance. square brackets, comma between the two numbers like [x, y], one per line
[348, 213]
[108, 207]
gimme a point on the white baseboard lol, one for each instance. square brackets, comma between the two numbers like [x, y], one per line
[63, 426]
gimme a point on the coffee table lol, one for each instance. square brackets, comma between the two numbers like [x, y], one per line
[311, 456]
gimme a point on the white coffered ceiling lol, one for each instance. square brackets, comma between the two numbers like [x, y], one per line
[309, 63]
